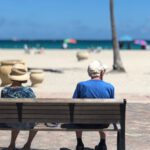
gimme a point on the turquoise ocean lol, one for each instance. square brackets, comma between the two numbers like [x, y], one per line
[57, 44]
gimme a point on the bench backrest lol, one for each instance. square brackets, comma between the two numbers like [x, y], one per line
[92, 111]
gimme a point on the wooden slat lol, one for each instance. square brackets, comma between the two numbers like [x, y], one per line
[59, 100]
[34, 108]
[10, 120]
[60, 129]
[96, 112]
[46, 104]
[67, 116]
[59, 110]
[41, 120]
[8, 116]
[97, 116]
[47, 111]
[96, 108]
[34, 104]
[58, 114]
[8, 107]
[33, 116]
[53, 112]
[75, 121]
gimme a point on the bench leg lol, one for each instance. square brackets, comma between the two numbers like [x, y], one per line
[120, 140]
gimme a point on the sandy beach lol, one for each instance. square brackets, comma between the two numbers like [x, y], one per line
[132, 85]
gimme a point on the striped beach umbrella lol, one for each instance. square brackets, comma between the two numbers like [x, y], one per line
[72, 41]
[140, 42]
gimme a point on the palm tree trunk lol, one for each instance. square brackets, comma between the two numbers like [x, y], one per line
[117, 62]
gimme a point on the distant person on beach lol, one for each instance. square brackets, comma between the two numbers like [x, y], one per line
[19, 76]
[94, 88]
[65, 45]
[143, 47]
[26, 49]
[121, 44]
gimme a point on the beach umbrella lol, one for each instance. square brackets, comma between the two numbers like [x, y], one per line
[140, 42]
[72, 41]
[126, 38]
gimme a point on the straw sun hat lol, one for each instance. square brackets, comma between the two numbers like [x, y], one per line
[19, 73]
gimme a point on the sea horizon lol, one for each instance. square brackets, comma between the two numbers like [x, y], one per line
[58, 44]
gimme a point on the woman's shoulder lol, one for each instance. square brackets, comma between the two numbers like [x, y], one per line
[26, 88]
[29, 91]
[21, 88]
[18, 92]
[5, 89]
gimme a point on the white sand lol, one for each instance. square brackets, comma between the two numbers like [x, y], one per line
[132, 85]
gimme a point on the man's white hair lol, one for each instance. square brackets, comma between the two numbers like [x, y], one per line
[95, 68]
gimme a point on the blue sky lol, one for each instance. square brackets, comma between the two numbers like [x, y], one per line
[81, 19]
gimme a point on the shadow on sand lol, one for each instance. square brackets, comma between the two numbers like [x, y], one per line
[86, 148]
[47, 70]
[5, 148]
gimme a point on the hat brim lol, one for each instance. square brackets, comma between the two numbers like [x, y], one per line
[24, 77]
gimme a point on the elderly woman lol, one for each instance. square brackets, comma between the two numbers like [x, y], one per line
[19, 76]
[94, 88]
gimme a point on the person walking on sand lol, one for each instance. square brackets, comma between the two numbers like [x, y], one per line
[19, 76]
[94, 88]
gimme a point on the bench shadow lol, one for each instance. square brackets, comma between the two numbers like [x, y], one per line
[86, 148]
[63, 148]
[5, 148]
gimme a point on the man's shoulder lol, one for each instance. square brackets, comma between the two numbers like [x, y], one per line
[83, 82]
[110, 85]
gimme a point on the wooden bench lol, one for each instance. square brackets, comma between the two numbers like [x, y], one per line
[67, 111]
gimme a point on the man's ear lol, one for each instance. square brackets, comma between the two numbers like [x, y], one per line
[101, 74]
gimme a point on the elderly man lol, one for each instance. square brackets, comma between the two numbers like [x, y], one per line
[94, 88]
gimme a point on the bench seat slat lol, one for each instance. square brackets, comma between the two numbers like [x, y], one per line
[60, 116]
[53, 112]
[77, 108]
[34, 107]
[59, 100]
[56, 120]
